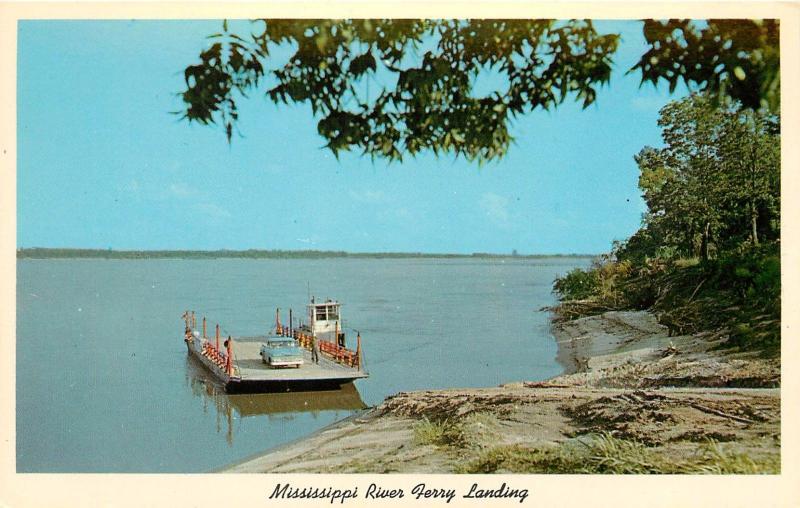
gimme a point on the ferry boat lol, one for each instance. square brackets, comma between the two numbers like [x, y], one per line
[239, 365]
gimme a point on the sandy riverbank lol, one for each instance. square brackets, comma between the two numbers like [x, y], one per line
[632, 399]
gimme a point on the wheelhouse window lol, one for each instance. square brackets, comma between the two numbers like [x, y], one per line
[333, 313]
[326, 313]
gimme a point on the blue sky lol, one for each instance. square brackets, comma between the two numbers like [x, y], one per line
[102, 163]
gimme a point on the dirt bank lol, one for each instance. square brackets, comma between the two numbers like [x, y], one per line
[633, 400]
[631, 350]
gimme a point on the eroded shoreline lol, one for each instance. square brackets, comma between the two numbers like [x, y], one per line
[664, 404]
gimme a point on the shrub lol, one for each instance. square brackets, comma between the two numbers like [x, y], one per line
[577, 284]
[754, 273]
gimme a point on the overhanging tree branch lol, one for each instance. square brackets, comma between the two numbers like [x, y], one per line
[426, 73]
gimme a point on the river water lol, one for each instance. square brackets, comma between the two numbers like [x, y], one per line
[104, 383]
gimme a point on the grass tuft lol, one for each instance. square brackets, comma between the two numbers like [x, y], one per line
[440, 433]
[714, 458]
[605, 454]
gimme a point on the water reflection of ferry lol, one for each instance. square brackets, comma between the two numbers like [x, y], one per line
[272, 405]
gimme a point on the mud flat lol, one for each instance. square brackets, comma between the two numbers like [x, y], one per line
[632, 400]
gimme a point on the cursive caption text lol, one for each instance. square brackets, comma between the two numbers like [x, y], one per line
[420, 491]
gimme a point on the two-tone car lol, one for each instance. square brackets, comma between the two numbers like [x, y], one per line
[282, 352]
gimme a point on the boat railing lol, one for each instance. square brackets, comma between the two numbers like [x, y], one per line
[208, 349]
[331, 350]
[211, 352]
[219, 357]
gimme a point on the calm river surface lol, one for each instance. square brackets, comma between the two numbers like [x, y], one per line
[104, 383]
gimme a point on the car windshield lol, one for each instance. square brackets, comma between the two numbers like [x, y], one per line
[281, 343]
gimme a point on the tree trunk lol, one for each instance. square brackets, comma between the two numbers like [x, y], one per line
[753, 177]
[754, 223]
[704, 248]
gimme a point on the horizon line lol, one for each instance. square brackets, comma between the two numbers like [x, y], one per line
[110, 252]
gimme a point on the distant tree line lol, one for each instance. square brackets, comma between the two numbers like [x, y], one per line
[55, 253]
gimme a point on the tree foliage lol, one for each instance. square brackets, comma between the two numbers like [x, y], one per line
[716, 182]
[394, 87]
[712, 192]
[389, 87]
[734, 58]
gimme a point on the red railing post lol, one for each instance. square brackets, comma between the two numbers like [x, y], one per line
[229, 347]
[358, 350]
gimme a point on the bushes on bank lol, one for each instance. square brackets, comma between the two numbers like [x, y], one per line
[576, 285]
[738, 293]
